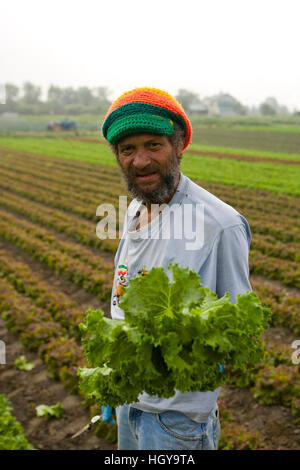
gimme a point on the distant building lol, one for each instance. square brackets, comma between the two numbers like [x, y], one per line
[197, 107]
[223, 104]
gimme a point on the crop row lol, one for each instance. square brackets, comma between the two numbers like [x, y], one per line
[75, 250]
[42, 330]
[55, 188]
[90, 193]
[261, 259]
[62, 308]
[51, 163]
[60, 181]
[54, 165]
[34, 325]
[85, 203]
[12, 435]
[65, 200]
[268, 245]
[84, 171]
[263, 174]
[84, 231]
[38, 332]
[278, 234]
[284, 308]
[287, 230]
[44, 195]
[288, 272]
[74, 227]
[286, 233]
[50, 251]
[262, 201]
[53, 168]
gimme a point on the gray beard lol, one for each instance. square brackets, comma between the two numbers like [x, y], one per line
[160, 194]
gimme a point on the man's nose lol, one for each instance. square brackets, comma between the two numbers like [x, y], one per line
[141, 159]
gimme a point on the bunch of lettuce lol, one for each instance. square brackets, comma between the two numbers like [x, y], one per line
[174, 336]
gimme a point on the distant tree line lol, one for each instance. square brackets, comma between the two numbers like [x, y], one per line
[225, 104]
[27, 100]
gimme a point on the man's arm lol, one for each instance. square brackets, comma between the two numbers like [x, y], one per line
[233, 265]
[233, 262]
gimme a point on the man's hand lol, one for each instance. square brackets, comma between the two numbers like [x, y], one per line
[107, 414]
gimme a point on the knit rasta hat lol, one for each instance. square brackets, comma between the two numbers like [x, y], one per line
[145, 110]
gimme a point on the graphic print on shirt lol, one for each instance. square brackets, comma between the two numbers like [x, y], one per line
[143, 271]
[121, 283]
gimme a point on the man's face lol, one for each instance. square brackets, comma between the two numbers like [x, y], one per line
[150, 166]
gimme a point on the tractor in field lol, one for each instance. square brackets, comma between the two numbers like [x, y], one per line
[64, 125]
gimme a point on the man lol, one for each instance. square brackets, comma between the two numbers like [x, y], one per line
[148, 131]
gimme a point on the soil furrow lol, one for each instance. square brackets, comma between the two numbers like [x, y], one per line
[28, 389]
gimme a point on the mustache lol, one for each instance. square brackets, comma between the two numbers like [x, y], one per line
[133, 172]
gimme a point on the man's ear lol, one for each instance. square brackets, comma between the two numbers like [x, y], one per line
[179, 150]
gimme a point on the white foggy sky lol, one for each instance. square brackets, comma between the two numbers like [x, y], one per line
[248, 48]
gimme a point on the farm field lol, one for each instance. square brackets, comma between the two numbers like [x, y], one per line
[260, 173]
[53, 267]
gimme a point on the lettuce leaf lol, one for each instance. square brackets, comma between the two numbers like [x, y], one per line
[22, 363]
[174, 336]
[48, 411]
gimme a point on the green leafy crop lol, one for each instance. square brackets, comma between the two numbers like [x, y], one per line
[22, 363]
[174, 335]
[54, 411]
[12, 436]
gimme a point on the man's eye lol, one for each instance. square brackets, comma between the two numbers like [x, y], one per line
[154, 145]
[126, 150]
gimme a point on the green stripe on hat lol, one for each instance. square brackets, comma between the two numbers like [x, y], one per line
[138, 108]
[142, 122]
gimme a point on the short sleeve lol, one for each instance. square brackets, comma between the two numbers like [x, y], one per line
[233, 261]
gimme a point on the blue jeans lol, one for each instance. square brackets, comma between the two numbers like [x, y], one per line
[170, 430]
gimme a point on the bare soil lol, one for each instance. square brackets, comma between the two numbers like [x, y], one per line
[28, 389]
[273, 422]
